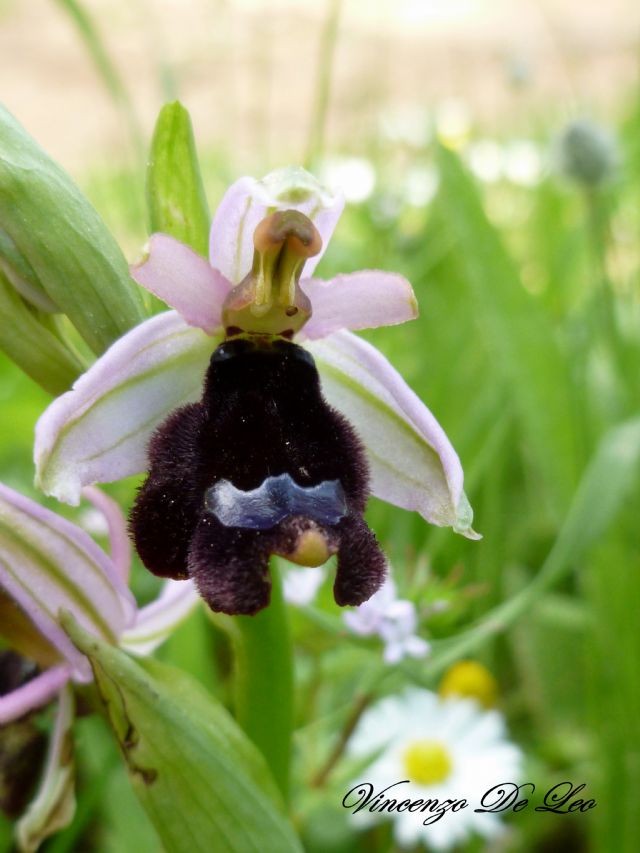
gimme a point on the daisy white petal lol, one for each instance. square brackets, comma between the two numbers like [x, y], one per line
[184, 280]
[360, 300]
[98, 431]
[428, 745]
[413, 464]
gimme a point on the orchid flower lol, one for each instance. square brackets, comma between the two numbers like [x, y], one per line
[392, 619]
[264, 463]
[48, 565]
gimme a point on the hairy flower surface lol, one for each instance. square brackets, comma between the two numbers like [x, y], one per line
[447, 750]
[267, 446]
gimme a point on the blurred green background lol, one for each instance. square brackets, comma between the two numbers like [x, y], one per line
[525, 263]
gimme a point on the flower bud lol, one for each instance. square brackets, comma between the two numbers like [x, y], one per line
[587, 153]
[35, 347]
[55, 248]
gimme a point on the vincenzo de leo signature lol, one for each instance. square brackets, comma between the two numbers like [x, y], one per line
[506, 796]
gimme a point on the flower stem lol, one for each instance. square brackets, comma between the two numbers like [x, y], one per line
[323, 85]
[264, 682]
[604, 302]
[360, 705]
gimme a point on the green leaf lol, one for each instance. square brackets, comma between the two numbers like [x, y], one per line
[175, 194]
[63, 242]
[202, 782]
[33, 346]
[518, 334]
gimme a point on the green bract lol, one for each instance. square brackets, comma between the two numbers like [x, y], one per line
[175, 194]
[33, 346]
[56, 246]
[202, 782]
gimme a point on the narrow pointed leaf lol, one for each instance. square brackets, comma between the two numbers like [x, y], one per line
[518, 334]
[111, 78]
[201, 781]
[98, 431]
[61, 238]
[175, 194]
[264, 681]
[32, 346]
[413, 464]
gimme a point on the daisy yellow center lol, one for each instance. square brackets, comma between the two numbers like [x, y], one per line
[471, 680]
[427, 762]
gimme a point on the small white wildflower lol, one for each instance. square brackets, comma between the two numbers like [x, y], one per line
[300, 586]
[354, 176]
[393, 619]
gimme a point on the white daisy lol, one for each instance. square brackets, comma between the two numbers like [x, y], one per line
[447, 749]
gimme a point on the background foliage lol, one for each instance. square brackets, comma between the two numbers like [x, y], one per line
[527, 352]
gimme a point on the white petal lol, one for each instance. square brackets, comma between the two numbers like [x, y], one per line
[34, 694]
[300, 586]
[248, 201]
[159, 619]
[98, 431]
[184, 280]
[413, 464]
[360, 300]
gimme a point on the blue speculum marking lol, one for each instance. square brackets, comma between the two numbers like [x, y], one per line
[275, 499]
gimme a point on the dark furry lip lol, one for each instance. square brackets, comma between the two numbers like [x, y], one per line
[262, 465]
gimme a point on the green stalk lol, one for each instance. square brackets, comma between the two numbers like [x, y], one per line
[605, 321]
[323, 86]
[264, 682]
[107, 70]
